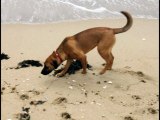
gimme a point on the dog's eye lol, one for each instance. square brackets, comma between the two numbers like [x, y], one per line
[55, 64]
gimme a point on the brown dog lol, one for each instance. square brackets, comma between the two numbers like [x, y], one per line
[75, 47]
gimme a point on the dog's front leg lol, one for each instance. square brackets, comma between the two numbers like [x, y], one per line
[84, 64]
[62, 73]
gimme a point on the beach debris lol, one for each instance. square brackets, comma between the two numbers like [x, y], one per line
[3, 88]
[111, 97]
[143, 38]
[24, 115]
[35, 92]
[24, 97]
[109, 82]
[26, 109]
[105, 86]
[13, 89]
[86, 94]
[98, 82]
[94, 102]
[59, 100]
[128, 118]
[28, 63]
[152, 110]
[139, 73]
[83, 90]
[127, 67]
[98, 103]
[143, 81]
[37, 102]
[73, 81]
[70, 87]
[4, 56]
[97, 93]
[66, 115]
[136, 97]
[75, 66]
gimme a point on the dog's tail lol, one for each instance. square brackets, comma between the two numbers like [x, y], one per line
[127, 26]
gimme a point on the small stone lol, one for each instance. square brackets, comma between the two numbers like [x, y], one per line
[66, 115]
[139, 73]
[73, 81]
[143, 81]
[24, 97]
[98, 82]
[105, 86]
[128, 118]
[3, 88]
[143, 38]
[152, 111]
[109, 82]
[136, 97]
[70, 87]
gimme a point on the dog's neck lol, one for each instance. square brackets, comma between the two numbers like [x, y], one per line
[61, 55]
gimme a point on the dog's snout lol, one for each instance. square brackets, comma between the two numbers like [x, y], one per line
[45, 71]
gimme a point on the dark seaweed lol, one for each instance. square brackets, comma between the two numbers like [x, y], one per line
[75, 66]
[4, 56]
[28, 63]
[66, 115]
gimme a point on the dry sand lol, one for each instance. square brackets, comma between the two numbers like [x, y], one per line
[128, 92]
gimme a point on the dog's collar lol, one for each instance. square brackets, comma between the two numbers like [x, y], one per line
[58, 56]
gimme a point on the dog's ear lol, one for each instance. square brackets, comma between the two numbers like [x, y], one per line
[54, 53]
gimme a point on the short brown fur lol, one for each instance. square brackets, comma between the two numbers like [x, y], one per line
[76, 46]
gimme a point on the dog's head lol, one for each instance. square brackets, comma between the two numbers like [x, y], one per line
[50, 64]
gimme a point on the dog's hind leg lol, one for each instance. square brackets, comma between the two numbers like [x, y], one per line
[108, 57]
[106, 54]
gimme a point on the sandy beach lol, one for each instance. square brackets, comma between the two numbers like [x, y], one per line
[128, 92]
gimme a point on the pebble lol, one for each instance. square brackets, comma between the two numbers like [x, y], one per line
[143, 38]
[98, 103]
[105, 86]
[70, 87]
[73, 81]
[109, 82]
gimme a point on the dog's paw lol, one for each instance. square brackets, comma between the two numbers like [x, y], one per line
[59, 75]
[102, 72]
[83, 72]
